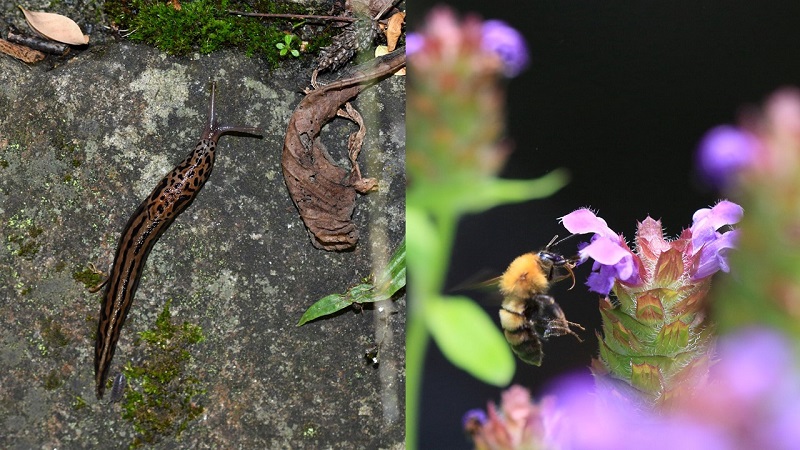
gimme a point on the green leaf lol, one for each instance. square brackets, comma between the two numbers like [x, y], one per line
[394, 275]
[325, 306]
[391, 280]
[295, 53]
[469, 338]
[465, 194]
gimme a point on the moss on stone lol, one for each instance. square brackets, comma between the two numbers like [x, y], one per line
[160, 400]
[205, 26]
[88, 277]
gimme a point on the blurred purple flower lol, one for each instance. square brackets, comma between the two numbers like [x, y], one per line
[600, 417]
[710, 247]
[723, 152]
[507, 43]
[753, 393]
[613, 260]
[751, 400]
[449, 42]
[516, 424]
[473, 417]
[414, 43]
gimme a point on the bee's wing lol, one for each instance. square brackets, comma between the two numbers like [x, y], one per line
[480, 282]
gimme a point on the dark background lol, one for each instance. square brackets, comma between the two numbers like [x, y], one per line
[618, 93]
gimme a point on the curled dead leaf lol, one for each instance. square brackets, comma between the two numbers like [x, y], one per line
[394, 28]
[324, 192]
[56, 27]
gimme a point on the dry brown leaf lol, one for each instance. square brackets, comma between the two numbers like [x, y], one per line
[394, 28]
[56, 27]
[324, 192]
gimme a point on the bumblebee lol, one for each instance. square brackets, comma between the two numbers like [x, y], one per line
[529, 316]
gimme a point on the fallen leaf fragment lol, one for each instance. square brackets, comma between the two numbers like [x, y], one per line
[394, 28]
[56, 27]
[20, 52]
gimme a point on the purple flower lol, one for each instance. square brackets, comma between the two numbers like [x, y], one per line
[414, 43]
[507, 43]
[723, 152]
[613, 260]
[599, 416]
[753, 393]
[710, 247]
[750, 401]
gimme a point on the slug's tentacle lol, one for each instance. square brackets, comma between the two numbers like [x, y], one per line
[214, 130]
[171, 196]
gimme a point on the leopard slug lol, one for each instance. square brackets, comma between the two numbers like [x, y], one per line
[173, 194]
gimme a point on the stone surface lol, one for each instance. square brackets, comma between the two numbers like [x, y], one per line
[81, 144]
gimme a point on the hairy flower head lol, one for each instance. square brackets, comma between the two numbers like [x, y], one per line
[701, 250]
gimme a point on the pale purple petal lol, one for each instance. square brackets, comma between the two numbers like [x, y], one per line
[757, 370]
[612, 262]
[706, 221]
[585, 221]
[714, 255]
[507, 43]
[712, 246]
[602, 280]
[605, 251]
[613, 259]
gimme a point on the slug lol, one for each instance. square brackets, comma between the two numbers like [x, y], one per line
[173, 194]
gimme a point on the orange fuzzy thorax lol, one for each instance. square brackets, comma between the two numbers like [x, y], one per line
[524, 277]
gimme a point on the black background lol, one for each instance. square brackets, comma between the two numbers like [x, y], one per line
[618, 93]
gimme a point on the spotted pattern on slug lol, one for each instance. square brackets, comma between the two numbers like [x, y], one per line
[171, 196]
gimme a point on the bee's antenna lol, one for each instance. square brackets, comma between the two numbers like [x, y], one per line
[551, 244]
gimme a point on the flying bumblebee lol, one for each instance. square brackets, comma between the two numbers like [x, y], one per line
[529, 316]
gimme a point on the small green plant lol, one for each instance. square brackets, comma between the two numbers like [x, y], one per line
[391, 280]
[285, 47]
